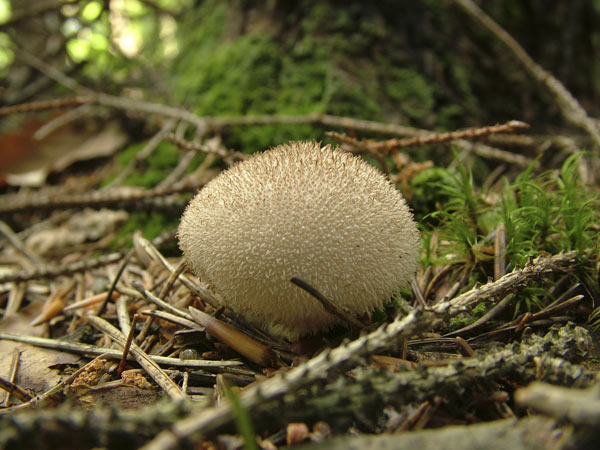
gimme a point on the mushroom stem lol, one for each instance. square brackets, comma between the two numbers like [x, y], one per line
[329, 307]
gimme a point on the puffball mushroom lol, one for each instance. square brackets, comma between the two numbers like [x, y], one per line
[300, 210]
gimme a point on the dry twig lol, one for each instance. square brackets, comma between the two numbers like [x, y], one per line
[152, 368]
[570, 108]
[345, 356]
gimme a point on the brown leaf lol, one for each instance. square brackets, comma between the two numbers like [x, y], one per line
[34, 373]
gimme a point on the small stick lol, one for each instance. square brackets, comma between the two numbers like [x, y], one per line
[145, 328]
[417, 291]
[87, 349]
[500, 252]
[61, 121]
[123, 315]
[234, 338]
[464, 347]
[171, 318]
[171, 280]
[14, 367]
[436, 138]
[147, 247]
[44, 105]
[161, 303]
[16, 242]
[53, 272]
[152, 368]
[17, 391]
[193, 146]
[113, 286]
[495, 311]
[94, 299]
[127, 345]
[329, 307]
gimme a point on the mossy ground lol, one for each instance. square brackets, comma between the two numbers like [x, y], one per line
[349, 62]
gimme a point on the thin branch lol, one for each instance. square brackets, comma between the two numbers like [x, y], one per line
[127, 345]
[161, 303]
[16, 242]
[16, 390]
[44, 105]
[203, 148]
[581, 407]
[56, 271]
[113, 285]
[152, 368]
[87, 349]
[138, 199]
[331, 362]
[437, 138]
[570, 108]
[329, 307]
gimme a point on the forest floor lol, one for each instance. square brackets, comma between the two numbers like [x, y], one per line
[99, 349]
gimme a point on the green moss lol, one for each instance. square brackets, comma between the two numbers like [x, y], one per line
[151, 224]
[319, 69]
[548, 213]
[427, 195]
[458, 322]
[450, 117]
[149, 173]
[410, 91]
[152, 170]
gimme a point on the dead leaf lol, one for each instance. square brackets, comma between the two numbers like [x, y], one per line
[34, 373]
[87, 225]
[78, 141]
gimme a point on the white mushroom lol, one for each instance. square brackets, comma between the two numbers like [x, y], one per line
[300, 210]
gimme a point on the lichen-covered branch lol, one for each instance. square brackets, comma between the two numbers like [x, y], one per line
[579, 406]
[369, 390]
[366, 392]
[332, 362]
[531, 433]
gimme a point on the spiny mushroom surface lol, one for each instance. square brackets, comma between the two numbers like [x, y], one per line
[301, 210]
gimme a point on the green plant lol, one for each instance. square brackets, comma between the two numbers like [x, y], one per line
[546, 213]
[461, 222]
[242, 420]
[549, 213]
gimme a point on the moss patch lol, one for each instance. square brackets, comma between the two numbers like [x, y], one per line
[310, 66]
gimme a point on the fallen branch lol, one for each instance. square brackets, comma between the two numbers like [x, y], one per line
[335, 361]
[570, 108]
[578, 406]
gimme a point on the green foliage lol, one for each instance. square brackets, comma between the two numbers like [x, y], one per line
[426, 196]
[242, 421]
[594, 319]
[549, 213]
[461, 219]
[6, 54]
[249, 76]
[546, 213]
[154, 169]
[413, 94]
[316, 70]
[461, 321]
[151, 224]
